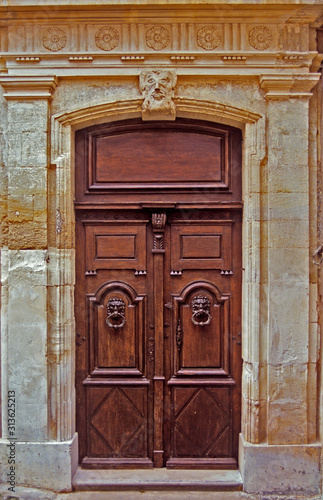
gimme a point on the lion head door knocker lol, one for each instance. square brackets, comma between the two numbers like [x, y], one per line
[201, 310]
[116, 313]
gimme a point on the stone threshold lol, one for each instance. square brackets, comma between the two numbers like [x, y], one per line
[156, 479]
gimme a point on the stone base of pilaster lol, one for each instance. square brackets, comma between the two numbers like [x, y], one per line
[50, 465]
[280, 469]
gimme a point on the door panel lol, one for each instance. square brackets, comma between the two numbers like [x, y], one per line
[112, 246]
[158, 295]
[201, 245]
[203, 382]
[159, 380]
[117, 326]
[203, 348]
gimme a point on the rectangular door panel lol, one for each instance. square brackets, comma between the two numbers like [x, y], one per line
[117, 329]
[110, 245]
[202, 319]
[201, 244]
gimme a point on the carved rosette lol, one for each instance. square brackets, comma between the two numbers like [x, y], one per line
[260, 38]
[208, 38]
[157, 38]
[107, 38]
[54, 39]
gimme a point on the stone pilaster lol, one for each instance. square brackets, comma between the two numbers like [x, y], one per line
[24, 274]
[287, 381]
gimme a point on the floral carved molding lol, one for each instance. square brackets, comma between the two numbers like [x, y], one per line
[208, 38]
[107, 38]
[54, 39]
[260, 38]
[158, 38]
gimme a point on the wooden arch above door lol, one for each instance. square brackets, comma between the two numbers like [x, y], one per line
[158, 294]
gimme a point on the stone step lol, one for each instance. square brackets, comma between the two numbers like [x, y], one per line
[157, 479]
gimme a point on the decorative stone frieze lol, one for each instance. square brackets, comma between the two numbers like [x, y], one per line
[208, 38]
[260, 38]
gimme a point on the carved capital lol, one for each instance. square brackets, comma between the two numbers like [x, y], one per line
[158, 87]
[28, 87]
[158, 221]
[286, 86]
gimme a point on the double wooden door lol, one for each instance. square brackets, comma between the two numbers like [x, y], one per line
[157, 306]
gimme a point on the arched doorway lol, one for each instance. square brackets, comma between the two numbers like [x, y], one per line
[158, 294]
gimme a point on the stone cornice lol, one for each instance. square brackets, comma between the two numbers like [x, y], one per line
[28, 87]
[287, 86]
[224, 64]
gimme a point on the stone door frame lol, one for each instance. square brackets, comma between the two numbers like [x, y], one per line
[62, 341]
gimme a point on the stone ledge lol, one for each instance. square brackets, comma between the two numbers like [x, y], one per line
[157, 479]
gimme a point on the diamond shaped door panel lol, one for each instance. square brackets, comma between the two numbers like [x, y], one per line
[116, 326]
[202, 422]
[117, 423]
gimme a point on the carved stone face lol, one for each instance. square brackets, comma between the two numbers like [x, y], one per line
[158, 85]
[201, 310]
[158, 90]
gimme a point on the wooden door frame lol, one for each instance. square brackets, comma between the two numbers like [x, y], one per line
[64, 126]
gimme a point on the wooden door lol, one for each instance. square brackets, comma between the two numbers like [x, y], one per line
[157, 308]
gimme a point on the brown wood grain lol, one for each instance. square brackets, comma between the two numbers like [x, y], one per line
[149, 393]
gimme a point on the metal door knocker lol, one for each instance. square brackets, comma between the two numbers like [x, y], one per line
[116, 310]
[201, 310]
